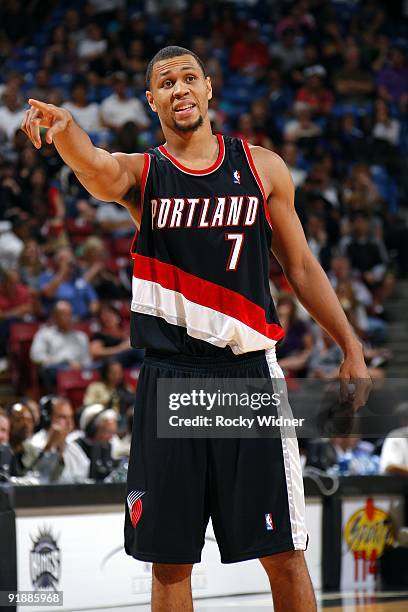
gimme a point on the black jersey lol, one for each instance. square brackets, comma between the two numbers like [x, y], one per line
[201, 257]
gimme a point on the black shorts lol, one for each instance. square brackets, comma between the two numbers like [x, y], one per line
[251, 488]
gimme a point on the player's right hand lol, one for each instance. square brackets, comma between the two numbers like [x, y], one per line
[42, 115]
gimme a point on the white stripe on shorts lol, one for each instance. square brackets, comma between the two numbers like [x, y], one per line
[293, 469]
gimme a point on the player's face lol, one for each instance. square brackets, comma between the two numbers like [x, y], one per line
[179, 93]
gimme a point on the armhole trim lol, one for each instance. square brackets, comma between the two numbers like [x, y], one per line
[143, 181]
[254, 171]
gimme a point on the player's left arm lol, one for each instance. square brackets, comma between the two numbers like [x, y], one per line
[302, 270]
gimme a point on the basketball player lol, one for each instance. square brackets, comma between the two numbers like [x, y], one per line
[207, 209]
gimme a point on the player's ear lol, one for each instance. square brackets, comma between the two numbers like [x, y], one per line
[150, 100]
[209, 87]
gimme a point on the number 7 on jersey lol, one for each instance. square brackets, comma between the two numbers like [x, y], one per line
[238, 241]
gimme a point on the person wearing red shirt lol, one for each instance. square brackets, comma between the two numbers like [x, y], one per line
[249, 53]
[314, 93]
[16, 301]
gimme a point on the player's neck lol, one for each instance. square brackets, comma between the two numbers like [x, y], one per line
[196, 150]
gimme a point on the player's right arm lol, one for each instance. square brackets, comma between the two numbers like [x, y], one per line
[111, 177]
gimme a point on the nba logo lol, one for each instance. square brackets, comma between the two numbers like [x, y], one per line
[237, 177]
[269, 522]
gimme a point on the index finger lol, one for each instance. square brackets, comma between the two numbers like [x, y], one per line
[38, 104]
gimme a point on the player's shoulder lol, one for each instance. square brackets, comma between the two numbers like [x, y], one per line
[271, 168]
[266, 157]
[133, 162]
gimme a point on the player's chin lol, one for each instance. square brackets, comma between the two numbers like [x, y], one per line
[190, 125]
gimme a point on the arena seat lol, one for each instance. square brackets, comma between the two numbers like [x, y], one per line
[77, 229]
[23, 370]
[73, 383]
[121, 247]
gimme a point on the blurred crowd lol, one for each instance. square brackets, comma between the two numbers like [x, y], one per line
[323, 83]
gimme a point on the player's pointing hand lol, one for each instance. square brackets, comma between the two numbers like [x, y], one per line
[42, 115]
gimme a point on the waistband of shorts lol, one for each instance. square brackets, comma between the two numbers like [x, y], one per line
[207, 363]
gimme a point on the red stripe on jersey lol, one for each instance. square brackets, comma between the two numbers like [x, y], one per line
[214, 166]
[256, 177]
[143, 181]
[206, 293]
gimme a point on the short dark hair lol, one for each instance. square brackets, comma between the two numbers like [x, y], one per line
[168, 53]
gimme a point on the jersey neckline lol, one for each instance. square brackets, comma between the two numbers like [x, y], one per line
[212, 168]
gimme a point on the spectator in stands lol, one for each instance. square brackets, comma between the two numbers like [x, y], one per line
[394, 453]
[42, 88]
[293, 352]
[65, 283]
[314, 93]
[385, 128]
[246, 130]
[288, 51]
[369, 257]
[10, 190]
[99, 425]
[16, 299]
[332, 44]
[4, 427]
[299, 19]
[340, 272]
[21, 429]
[316, 234]
[61, 54]
[136, 63]
[302, 127]
[119, 107]
[34, 406]
[112, 339]
[325, 358]
[392, 80]
[360, 193]
[353, 83]
[31, 263]
[95, 271]
[114, 219]
[289, 154]
[136, 29]
[386, 138]
[86, 114]
[11, 114]
[350, 137]
[57, 423]
[93, 45]
[350, 454]
[112, 390]
[59, 346]
[249, 55]
[17, 303]
[72, 26]
[280, 96]
[121, 449]
[263, 123]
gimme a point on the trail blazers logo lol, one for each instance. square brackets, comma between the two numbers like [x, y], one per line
[45, 561]
[134, 501]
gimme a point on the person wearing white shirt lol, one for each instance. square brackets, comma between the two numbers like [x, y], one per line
[119, 108]
[93, 45]
[59, 346]
[85, 114]
[58, 423]
[394, 453]
[11, 113]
